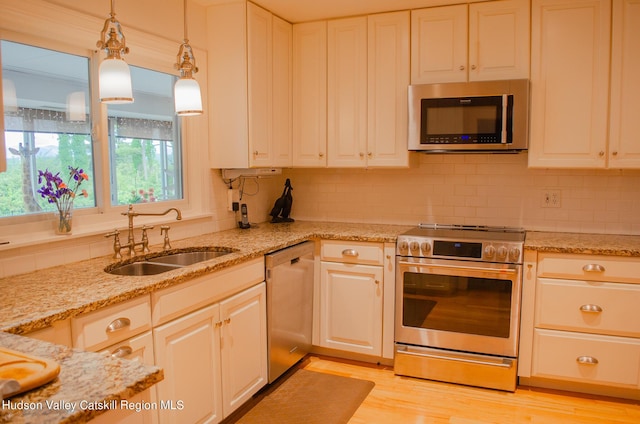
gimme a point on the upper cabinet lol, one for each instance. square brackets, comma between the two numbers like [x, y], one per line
[475, 42]
[624, 148]
[577, 121]
[350, 92]
[310, 94]
[250, 80]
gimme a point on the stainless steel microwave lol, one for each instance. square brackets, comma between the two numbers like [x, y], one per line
[483, 116]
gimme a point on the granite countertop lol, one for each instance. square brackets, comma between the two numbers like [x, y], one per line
[582, 243]
[86, 382]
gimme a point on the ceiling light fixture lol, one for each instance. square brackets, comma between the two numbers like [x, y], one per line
[114, 74]
[186, 92]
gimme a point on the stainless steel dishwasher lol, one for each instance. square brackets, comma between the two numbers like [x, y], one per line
[289, 275]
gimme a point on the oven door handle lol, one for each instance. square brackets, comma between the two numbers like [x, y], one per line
[463, 271]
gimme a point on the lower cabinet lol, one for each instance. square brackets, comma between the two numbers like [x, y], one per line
[354, 306]
[214, 359]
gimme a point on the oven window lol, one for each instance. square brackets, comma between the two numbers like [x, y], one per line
[467, 305]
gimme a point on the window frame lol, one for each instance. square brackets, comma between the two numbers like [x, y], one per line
[76, 33]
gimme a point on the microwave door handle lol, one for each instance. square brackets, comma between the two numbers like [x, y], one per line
[505, 106]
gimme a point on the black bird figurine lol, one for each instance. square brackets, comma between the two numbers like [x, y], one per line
[282, 207]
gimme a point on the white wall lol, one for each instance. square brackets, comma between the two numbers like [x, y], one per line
[477, 189]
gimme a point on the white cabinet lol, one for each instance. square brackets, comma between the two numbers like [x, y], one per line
[624, 149]
[570, 47]
[360, 97]
[310, 94]
[188, 349]
[387, 78]
[347, 92]
[250, 74]
[475, 42]
[351, 296]
[581, 332]
[215, 358]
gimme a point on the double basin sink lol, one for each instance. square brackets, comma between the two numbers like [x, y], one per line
[166, 262]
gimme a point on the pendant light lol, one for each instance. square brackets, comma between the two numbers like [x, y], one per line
[186, 92]
[114, 75]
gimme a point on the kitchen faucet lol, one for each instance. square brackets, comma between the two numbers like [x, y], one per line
[131, 243]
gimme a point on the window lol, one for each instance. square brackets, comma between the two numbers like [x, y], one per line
[144, 142]
[48, 125]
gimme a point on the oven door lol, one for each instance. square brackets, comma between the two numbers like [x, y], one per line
[458, 305]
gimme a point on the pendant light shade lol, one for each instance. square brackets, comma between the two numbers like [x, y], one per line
[115, 82]
[114, 75]
[188, 100]
[186, 92]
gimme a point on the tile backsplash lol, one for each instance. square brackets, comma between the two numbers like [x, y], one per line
[482, 189]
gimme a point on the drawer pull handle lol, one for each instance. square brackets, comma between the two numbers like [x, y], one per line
[350, 252]
[122, 352]
[591, 308]
[587, 360]
[593, 268]
[118, 324]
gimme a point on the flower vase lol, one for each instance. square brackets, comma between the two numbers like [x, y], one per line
[63, 222]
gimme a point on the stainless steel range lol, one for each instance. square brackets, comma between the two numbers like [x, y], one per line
[458, 294]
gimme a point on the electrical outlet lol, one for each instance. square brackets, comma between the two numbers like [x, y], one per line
[233, 196]
[551, 199]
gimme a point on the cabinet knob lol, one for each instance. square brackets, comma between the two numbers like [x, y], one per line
[370, 154]
[321, 154]
[118, 324]
[255, 153]
[361, 154]
[473, 67]
[591, 308]
[461, 67]
[587, 360]
[615, 153]
[593, 268]
[601, 153]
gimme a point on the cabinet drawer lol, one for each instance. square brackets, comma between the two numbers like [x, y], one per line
[589, 267]
[565, 355]
[352, 252]
[107, 326]
[594, 307]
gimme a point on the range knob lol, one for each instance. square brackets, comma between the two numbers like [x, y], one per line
[414, 246]
[514, 254]
[403, 247]
[489, 251]
[425, 247]
[502, 252]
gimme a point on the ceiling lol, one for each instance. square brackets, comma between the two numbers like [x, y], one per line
[296, 11]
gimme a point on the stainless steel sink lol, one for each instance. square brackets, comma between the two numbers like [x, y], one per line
[189, 258]
[167, 262]
[142, 268]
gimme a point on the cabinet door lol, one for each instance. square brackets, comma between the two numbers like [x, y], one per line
[439, 44]
[244, 346]
[347, 92]
[188, 349]
[388, 78]
[351, 307]
[624, 148]
[259, 54]
[281, 93]
[310, 94]
[499, 40]
[570, 47]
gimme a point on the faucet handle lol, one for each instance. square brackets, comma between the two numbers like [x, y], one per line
[145, 238]
[164, 229]
[116, 243]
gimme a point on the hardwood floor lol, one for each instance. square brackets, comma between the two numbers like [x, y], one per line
[396, 399]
